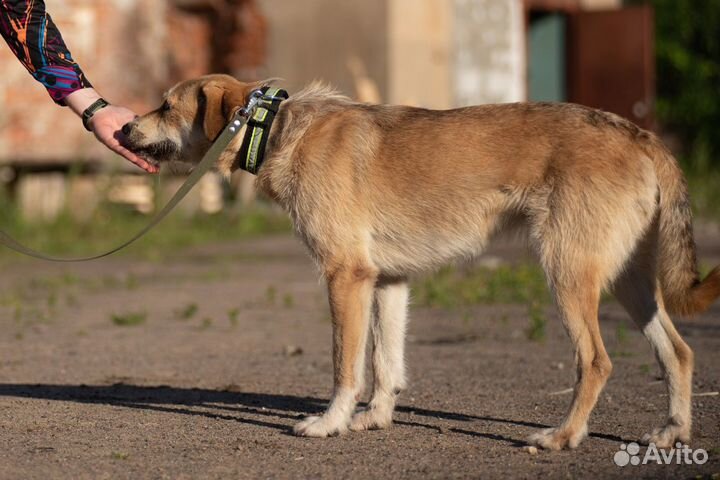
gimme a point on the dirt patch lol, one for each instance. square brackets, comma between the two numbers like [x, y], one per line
[197, 367]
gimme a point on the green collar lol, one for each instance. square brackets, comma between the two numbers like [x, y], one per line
[252, 152]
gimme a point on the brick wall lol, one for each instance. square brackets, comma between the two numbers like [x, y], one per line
[131, 51]
[32, 128]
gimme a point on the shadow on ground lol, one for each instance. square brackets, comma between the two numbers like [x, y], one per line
[177, 400]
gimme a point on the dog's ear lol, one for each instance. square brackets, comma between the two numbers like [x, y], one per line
[211, 97]
[220, 104]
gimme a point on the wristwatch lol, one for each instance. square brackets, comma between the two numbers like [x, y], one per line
[98, 104]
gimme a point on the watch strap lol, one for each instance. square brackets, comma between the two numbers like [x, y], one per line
[98, 104]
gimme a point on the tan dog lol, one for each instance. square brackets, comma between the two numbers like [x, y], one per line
[379, 192]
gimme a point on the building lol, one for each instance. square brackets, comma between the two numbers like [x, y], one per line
[431, 53]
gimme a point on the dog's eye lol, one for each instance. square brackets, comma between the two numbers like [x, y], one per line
[165, 107]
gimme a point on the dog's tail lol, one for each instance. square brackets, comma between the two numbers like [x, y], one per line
[683, 291]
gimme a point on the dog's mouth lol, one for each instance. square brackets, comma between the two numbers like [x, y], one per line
[155, 153]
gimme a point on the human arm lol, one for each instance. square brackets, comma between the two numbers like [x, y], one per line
[35, 40]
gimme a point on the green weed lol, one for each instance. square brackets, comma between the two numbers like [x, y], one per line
[128, 319]
[119, 455]
[621, 333]
[536, 329]
[233, 315]
[270, 295]
[187, 312]
[452, 288]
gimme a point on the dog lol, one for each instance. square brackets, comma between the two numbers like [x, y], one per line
[380, 192]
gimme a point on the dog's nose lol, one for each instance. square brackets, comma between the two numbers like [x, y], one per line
[127, 128]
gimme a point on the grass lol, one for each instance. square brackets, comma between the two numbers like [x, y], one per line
[110, 225]
[128, 319]
[453, 287]
[456, 288]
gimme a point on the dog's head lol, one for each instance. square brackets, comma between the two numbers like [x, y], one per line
[192, 115]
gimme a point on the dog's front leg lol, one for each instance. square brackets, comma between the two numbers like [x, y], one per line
[351, 291]
[388, 334]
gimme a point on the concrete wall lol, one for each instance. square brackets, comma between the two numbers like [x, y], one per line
[420, 52]
[489, 61]
[430, 53]
[316, 39]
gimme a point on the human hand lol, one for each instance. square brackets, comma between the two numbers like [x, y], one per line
[107, 125]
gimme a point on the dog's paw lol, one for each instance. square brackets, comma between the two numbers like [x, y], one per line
[665, 437]
[557, 439]
[319, 427]
[371, 419]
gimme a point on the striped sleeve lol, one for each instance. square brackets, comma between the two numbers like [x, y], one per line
[35, 40]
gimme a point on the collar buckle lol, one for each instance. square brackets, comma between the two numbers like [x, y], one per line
[255, 97]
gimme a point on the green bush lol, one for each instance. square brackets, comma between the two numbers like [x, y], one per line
[688, 77]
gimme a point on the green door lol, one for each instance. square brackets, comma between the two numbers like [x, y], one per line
[546, 58]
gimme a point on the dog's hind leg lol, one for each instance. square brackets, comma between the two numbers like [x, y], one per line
[388, 334]
[637, 290]
[578, 295]
[351, 294]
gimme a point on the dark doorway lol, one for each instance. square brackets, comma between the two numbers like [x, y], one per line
[611, 62]
[602, 59]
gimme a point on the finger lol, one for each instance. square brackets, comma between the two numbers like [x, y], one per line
[114, 142]
[140, 162]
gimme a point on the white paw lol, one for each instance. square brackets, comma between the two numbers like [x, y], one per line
[665, 437]
[557, 439]
[319, 427]
[371, 419]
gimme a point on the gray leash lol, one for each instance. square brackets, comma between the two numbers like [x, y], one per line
[205, 164]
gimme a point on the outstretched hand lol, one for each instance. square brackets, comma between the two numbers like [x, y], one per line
[107, 125]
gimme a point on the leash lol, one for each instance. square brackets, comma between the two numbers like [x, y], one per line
[210, 158]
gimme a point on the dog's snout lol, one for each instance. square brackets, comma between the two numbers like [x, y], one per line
[128, 127]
